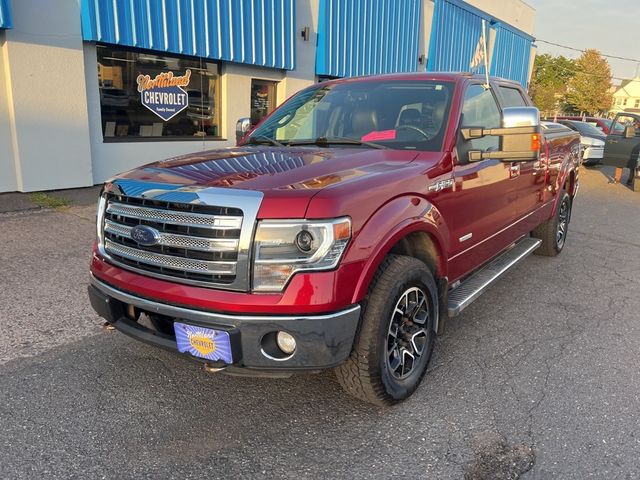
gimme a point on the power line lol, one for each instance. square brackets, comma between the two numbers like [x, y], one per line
[634, 60]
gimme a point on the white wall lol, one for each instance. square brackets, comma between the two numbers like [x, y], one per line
[236, 93]
[8, 182]
[514, 12]
[44, 73]
[305, 72]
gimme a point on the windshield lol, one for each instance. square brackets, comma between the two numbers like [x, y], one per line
[394, 114]
[606, 122]
[587, 129]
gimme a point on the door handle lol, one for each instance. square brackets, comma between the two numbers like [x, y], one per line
[514, 170]
[613, 141]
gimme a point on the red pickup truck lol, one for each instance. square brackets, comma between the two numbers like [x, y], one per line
[340, 233]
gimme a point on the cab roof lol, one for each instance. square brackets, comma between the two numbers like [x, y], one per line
[437, 76]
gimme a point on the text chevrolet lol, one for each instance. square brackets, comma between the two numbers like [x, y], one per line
[340, 233]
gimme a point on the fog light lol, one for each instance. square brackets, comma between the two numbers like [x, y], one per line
[286, 342]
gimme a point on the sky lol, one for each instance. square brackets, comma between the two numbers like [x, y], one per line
[610, 26]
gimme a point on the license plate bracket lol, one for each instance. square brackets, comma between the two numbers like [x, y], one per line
[204, 342]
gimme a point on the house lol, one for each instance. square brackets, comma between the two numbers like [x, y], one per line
[627, 97]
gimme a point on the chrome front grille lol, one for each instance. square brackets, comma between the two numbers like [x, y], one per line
[170, 262]
[175, 218]
[197, 243]
[180, 241]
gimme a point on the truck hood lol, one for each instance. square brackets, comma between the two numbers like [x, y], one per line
[292, 169]
[290, 177]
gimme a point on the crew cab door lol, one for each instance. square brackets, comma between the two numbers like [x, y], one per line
[618, 150]
[528, 178]
[481, 209]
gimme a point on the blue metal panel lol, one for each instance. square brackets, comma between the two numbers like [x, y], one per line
[5, 14]
[258, 32]
[455, 32]
[364, 37]
[511, 54]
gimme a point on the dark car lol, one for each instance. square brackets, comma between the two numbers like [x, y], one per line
[591, 139]
[603, 124]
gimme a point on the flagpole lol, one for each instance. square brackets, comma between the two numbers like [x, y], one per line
[486, 59]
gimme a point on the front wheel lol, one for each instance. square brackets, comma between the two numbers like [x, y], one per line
[553, 232]
[395, 338]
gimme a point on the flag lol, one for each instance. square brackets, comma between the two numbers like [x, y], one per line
[478, 56]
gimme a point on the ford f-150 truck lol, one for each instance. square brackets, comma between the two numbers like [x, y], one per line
[340, 233]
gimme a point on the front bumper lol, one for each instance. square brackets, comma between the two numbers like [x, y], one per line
[593, 153]
[323, 341]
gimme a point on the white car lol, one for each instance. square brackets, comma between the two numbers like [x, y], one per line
[592, 150]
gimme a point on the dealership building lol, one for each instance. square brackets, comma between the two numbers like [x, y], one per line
[90, 88]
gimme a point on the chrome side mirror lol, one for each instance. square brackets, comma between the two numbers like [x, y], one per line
[520, 117]
[520, 138]
[243, 126]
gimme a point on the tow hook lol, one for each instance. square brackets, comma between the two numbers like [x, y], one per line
[211, 369]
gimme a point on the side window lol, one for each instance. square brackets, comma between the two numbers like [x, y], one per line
[479, 109]
[620, 122]
[512, 97]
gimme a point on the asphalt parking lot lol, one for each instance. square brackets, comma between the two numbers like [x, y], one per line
[540, 375]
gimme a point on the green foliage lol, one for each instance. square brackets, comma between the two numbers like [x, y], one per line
[48, 201]
[589, 89]
[549, 81]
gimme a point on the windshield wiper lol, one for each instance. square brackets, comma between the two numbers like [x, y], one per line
[326, 141]
[261, 140]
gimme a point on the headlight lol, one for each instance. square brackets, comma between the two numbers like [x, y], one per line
[284, 247]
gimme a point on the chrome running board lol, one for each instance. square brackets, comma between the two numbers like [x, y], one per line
[474, 286]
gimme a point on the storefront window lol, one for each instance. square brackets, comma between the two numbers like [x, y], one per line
[263, 100]
[145, 96]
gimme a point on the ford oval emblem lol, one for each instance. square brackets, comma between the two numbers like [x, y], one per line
[144, 235]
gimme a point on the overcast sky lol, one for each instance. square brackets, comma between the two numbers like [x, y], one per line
[610, 26]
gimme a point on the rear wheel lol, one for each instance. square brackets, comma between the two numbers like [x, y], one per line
[395, 339]
[553, 232]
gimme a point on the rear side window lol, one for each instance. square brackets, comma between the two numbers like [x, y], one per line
[512, 97]
[479, 108]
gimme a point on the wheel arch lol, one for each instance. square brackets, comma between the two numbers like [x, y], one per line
[422, 237]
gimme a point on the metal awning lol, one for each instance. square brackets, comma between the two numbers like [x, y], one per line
[257, 32]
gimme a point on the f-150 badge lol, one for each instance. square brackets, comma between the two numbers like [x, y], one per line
[441, 185]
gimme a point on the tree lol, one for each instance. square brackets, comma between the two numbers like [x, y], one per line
[549, 81]
[589, 89]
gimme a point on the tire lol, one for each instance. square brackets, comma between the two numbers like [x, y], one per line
[380, 370]
[553, 232]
